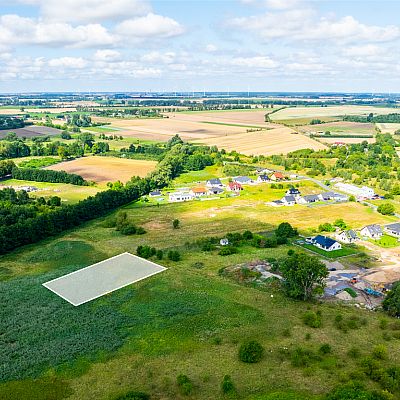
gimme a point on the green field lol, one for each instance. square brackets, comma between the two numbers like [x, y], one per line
[387, 241]
[345, 251]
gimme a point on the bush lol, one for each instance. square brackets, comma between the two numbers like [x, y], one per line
[301, 357]
[251, 352]
[227, 251]
[391, 303]
[380, 352]
[174, 255]
[227, 385]
[354, 352]
[146, 251]
[134, 396]
[176, 223]
[285, 230]
[386, 209]
[247, 235]
[185, 384]
[128, 229]
[312, 319]
[325, 348]
[159, 254]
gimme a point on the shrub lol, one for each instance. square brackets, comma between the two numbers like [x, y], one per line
[227, 385]
[325, 348]
[247, 235]
[128, 229]
[176, 223]
[290, 252]
[386, 209]
[174, 255]
[380, 352]
[140, 231]
[312, 319]
[227, 251]
[159, 254]
[354, 352]
[134, 396]
[301, 357]
[251, 352]
[185, 384]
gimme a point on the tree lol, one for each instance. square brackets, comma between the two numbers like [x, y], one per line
[326, 227]
[251, 352]
[303, 276]
[285, 230]
[227, 385]
[391, 303]
[174, 255]
[340, 223]
[386, 209]
[175, 223]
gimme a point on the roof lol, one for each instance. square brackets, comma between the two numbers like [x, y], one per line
[241, 179]
[328, 195]
[277, 202]
[289, 199]
[278, 175]
[216, 189]
[293, 191]
[263, 177]
[199, 190]
[374, 229]
[350, 234]
[215, 181]
[235, 184]
[311, 197]
[324, 241]
[155, 193]
[395, 227]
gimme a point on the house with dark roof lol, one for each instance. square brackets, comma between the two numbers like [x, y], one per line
[311, 198]
[393, 229]
[262, 178]
[348, 236]
[326, 196]
[215, 190]
[289, 200]
[277, 203]
[214, 183]
[156, 193]
[293, 192]
[372, 231]
[325, 243]
[243, 180]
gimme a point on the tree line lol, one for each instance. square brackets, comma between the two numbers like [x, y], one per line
[47, 175]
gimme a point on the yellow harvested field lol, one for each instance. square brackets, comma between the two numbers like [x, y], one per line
[330, 111]
[17, 111]
[388, 127]
[352, 140]
[274, 141]
[106, 169]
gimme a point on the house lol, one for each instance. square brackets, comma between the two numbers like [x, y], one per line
[242, 180]
[310, 198]
[326, 196]
[224, 242]
[156, 193]
[180, 196]
[293, 192]
[211, 183]
[198, 191]
[277, 176]
[263, 171]
[215, 190]
[277, 203]
[372, 231]
[358, 192]
[340, 197]
[393, 229]
[262, 178]
[348, 236]
[326, 243]
[289, 200]
[235, 187]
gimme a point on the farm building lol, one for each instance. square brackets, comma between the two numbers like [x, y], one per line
[262, 178]
[156, 193]
[277, 176]
[325, 243]
[393, 229]
[224, 242]
[215, 190]
[212, 183]
[372, 231]
[363, 192]
[289, 200]
[198, 191]
[242, 180]
[348, 236]
[180, 196]
[235, 187]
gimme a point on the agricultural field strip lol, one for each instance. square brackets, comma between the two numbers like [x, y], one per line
[104, 277]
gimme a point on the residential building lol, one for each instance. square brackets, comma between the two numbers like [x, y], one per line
[326, 243]
[348, 236]
[326, 196]
[277, 203]
[156, 193]
[293, 192]
[310, 198]
[215, 190]
[224, 242]
[277, 176]
[289, 200]
[211, 183]
[372, 231]
[393, 229]
[262, 178]
[180, 196]
[198, 191]
[242, 180]
[235, 187]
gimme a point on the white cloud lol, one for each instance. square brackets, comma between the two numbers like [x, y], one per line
[156, 57]
[368, 50]
[68, 62]
[211, 48]
[107, 55]
[254, 62]
[90, 10]
[151, 25]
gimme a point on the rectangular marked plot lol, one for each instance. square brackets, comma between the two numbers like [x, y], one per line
[104, 277]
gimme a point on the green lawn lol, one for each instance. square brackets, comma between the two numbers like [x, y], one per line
[345, 251]
[386, 241]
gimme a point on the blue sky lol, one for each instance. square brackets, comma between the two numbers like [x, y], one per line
[236, 45]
